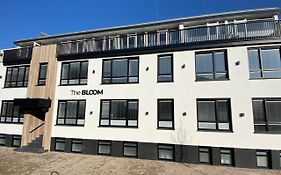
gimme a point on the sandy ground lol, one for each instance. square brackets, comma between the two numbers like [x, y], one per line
[12, 162]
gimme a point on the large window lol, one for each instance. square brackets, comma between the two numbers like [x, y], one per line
[262, 158]
[165, 68]
[165, 113]
[116, 71]
[214, 114]
[267, 115]
[10, 113]
[73, 73]
[17, 76]
[264, 63]
[42, 73]
[205, 155]
[165, 152]
[122, 113]
[104, 147]
[130, 149]
[226, 155]
[211, 66]
[71, 112]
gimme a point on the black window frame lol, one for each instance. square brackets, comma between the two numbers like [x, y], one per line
[105, 143]
[16, 138]
[24, 80]
[3, 137]
[77, 112]
[129, 144]
[266, 123]
[209, 152]
[213, 64]
[280, 159]
[216, 115]
[109, 117]
[76, 141]
[172, 148]
[261, 69]
[59, 140]
[20, 116]
[128, 71]
[172, 68]
[42, 80]
[231, 153]
[268, 157]
[173, 114]
[68, 73]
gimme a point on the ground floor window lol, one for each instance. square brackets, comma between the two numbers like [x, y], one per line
[280, 159]
[2, 139]
[226, 156]
[16, 141]
[262, 158]
[76, 145]
[104, 147]
[130, 149]
[59, 144]
[165, 152]
[205, 155]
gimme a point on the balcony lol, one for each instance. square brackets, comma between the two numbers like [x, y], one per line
[194, 36]
[17, 56]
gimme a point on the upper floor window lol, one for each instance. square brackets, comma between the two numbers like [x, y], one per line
[267, 115]
[71, 112]
[264, 63]
[73, 73]
[117, 71]
[10, 113]
[165, 113]
[42, 73]
[165, 68]
[123, 113]
[214, 114]
[17, 76]
[211, 65]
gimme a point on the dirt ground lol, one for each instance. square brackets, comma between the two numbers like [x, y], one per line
[54, 163]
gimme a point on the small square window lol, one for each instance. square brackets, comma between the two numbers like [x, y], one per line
[226, 156]
[2, 139]
[165, 152]
[205, 155]
[104, 147]
[76, 146]
[130, 149]
[262, 159]
[59, 144]
[16, 140]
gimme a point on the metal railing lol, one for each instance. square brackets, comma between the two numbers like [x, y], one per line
[197, 35]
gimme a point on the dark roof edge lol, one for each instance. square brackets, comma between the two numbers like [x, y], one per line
[274, 10]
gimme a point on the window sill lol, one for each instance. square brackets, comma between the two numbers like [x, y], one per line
[72, 84]
[212, 80]
[165, 81]
[131, 127]
[11, 123]
[70, 125]
[118, 83]
[41, 85]
[210, 130]
[14, 87]
[161, 128]
[267, 132]
[264, 78]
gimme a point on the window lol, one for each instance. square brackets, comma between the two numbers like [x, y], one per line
[17, 76]
[104, 147]
[205, 155]
[2, 139]
[226, 156]
[280, 158]
[130, 149]
[266, 114]
[262, 158]
[10, 113]
[16, 140]
[71, 112]
[74, 73]
[211, 66]
[165, 152]
[214, 114]
[42, 73]
[76, 145]
[165, 113]
[122, 113]
[264, 63]
[59, 144]
[118, 71]
[165, 68]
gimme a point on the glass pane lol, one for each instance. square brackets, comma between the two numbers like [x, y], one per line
[119, 80]
[262, 161]
[71, 110]
[133, 68]
[223, 111]
[132, 110]
[204, 63]
[84, 70]
[271, 74]
[64, 73]
[165, 124]
[14, 74]
[271, 59]
[74, 71]
[118, 122]
[206, 111]
[165, 65]
[106, 69]
[220, 62]
[258, 111]
[130, 151]
[166, 154]
[77, 147]
[43, 71]
[61, 113]
[165, 78]
[26, 76]
[10, 109]
[254, 63]
[4, 109]
[105, 109]
[224, 126]
[204, 76]
[8, 77]
[70, 121]
[165, 110]
[60, 146]
[273, 111]
[255, 74]
[104, 149]
[118, 109]
[119, 68]
[21, 76]
[226, 159]
[221, 76]
[207, 125]
[204, 157]
[82, 107]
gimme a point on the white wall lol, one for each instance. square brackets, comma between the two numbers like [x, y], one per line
[184, 90]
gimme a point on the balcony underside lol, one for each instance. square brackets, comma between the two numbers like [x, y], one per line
[33, 105]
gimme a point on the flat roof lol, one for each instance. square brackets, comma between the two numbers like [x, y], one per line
[254, 13]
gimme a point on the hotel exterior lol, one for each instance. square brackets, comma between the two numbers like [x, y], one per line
[202, 89]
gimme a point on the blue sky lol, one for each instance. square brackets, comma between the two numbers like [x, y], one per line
[26, 19]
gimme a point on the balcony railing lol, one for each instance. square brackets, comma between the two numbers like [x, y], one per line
[191, 36]
[17, 56]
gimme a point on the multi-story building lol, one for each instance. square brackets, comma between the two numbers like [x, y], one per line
[202, 89]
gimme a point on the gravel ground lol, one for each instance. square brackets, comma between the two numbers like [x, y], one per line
[54, 163]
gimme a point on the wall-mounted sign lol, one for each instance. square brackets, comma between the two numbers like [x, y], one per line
[87, 92]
